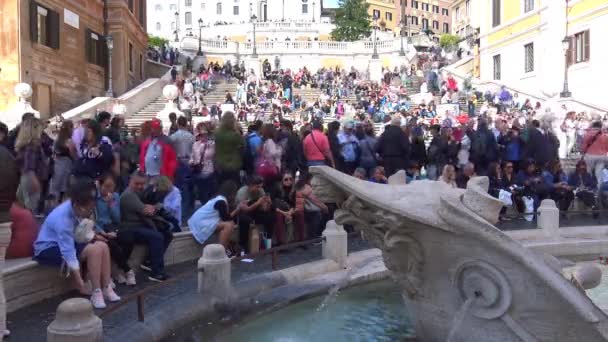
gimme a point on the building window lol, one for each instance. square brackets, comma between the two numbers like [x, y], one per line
[188, 3]
[130, 3]
[425, 7]
[435, 25]
[203, 6]
[141, 10]
[304, 8]
[218, 8]
[457, 13]
[376, 14]
[435, 9]
[44, 26]
[445, 11]
[173, 7]
[130, 57]
[188, 18]
[415, 4]
[157, 26]
[529, 57]
[496, 64]
[141, 67]
[158, 7]
[446, 28]
[425, 24]
[388, 16]
[467, 8]
[94, 47]
[414, 20]
[528, 5]
[495, 13]
[403, 3]
[580, 48]
[235, 10]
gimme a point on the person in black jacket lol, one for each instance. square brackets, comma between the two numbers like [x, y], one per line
[542, 145]
[484, 149]
[394, 147]
[293, 154]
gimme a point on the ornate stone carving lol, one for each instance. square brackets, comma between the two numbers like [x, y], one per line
[464, 279]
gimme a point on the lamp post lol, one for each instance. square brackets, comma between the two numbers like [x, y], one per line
[110, 44]
[565, 46]
[254, 54]
[313, 11]
[402, 31]
[176, 26]
[375, 54]
[200, 32]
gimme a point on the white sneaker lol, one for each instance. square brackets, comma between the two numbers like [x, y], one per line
[110, 295]
[120, 278]
[97, 299]
[131, 278]
[112, 284]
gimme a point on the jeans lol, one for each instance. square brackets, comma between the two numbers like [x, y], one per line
[595, 164]
[157, 243]
[204, 187]
[316, 163]
[184, 182]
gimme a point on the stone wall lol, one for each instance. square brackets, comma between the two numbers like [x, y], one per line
[155, 69]
[9, 53]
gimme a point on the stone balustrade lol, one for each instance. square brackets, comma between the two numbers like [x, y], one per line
[294, 47]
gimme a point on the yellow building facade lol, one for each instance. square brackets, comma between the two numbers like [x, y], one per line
[521, 46]
[386, 12]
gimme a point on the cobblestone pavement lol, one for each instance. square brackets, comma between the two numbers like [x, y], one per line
[30, 323]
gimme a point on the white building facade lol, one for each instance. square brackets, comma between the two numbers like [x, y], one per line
[165, 17]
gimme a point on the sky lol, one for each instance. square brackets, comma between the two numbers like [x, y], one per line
[330, 3]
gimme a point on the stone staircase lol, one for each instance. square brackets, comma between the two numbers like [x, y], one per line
[147, 113]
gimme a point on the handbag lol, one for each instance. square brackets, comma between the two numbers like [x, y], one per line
[266, 169]
[198, 168]
[83, 232]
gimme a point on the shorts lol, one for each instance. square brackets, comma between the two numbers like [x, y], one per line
[52, 255]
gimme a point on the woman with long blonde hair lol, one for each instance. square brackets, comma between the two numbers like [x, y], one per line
[32, 161]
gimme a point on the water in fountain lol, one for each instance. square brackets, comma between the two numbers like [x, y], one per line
[457, 321]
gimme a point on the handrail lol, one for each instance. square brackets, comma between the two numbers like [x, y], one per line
[138, 296]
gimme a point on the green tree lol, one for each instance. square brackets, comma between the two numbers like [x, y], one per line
[352, 21]
[448, 41]
[155, 41]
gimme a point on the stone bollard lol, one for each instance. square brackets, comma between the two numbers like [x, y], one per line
[214, 273]
[335, 245]
[398, 178]
[548, 218]
[75, 322]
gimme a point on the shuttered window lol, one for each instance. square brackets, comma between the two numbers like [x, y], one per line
[497, 67]
[94, 48]
[496, 16]
[44, 25]
[529, 57]
[579, 49]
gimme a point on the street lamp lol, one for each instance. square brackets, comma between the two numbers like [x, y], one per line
[375, 54]
[176, 26]
[110, 44]
[200, 32]
[402, 32]
[255, 51]
[313, 11]
[565, 46]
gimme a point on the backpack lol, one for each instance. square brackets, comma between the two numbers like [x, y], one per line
[248, 157]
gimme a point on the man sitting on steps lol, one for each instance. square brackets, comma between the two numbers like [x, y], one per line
[139, 227]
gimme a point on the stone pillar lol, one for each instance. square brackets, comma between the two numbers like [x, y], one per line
[5, 238]
[375, 70]
[335, 245]
[548, 218]
[214, 273]
[75, 322]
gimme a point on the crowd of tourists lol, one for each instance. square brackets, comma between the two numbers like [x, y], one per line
[100, 188]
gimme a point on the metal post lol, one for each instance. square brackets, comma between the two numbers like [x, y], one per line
[566, 45]
[401, 32]
[200, 33]
[375, 54]
[176, 27]
[110, 45]
[313, 11]
[255, 51]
